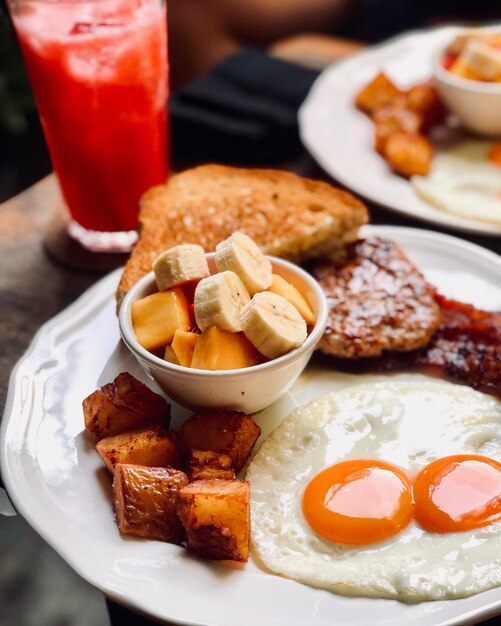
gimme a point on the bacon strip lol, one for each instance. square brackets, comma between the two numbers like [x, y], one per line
[466, 348]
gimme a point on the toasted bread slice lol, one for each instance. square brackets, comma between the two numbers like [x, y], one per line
[288, 216]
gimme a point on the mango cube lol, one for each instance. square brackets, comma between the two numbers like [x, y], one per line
[283, 288]
[218, 349]
[170, 355]
[183, 346]
[156, 317]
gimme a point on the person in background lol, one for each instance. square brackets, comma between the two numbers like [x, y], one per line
[203, 32]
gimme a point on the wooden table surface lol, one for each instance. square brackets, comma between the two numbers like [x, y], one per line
[34, 288]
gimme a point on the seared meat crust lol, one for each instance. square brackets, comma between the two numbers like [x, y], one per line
[466, 348]
[378, 301]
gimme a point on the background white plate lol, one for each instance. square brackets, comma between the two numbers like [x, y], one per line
[57, 481]
[341, 138]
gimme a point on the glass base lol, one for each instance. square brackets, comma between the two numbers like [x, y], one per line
[97, 241]
[66, 250]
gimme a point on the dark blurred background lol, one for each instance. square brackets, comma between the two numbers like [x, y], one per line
[23, 155]
[201, 34]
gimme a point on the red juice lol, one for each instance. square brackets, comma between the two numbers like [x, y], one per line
[98, 69]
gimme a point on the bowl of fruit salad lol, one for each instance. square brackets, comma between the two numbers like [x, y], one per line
[468, 78]
[232, 329]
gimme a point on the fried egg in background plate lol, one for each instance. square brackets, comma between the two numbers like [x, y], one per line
[407, 424]
[464, 180]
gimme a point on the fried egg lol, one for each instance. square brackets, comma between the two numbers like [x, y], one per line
[464, 181]
[404, 428]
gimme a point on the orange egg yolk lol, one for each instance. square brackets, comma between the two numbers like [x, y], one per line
[457, 493]
[359, 501]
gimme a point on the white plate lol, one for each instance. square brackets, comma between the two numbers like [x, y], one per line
[341, 138]
[57, 482]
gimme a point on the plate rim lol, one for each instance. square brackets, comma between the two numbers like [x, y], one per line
[306, 119]
[87, 300]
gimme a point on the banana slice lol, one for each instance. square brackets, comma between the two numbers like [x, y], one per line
[241, 255]
[179, 265]
[219, 300]
[482, 59]
[273, 325]
[464, 38]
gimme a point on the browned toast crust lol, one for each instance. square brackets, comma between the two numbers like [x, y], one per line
[288, 216]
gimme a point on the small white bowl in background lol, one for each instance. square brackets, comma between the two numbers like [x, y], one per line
[249, 389]
[477, 104]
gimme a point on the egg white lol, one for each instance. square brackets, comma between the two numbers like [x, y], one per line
[464, 182]
[406, 423]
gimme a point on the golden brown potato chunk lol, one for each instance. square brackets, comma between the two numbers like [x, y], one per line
[424, 100]
[210, 458]
[121, 405]
[152, 446]
[207, 465]
[146, 501]
[216, 518]
[227, 432]
[210, 473]
[393, 119]
[378, 93]
[409, 154]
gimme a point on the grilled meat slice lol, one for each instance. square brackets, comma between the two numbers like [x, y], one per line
[378, 301]
[466, 348]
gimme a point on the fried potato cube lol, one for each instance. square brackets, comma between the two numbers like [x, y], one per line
[207, 464]
[152, 446]
[216, 518]
[392, 119]
[378, 93]
[121, 405]
[210, 473]
[210, 458]
[146, 500]
[409, 154]
[424, 100]
[231, 433]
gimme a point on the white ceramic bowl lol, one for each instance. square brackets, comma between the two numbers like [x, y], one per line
[477, 104]
[248, 389]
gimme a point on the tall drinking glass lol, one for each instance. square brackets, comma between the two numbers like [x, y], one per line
[99, 73]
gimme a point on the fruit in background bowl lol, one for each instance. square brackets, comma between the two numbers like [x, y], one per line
[238, 338]
[468, 78]
[475, 55]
